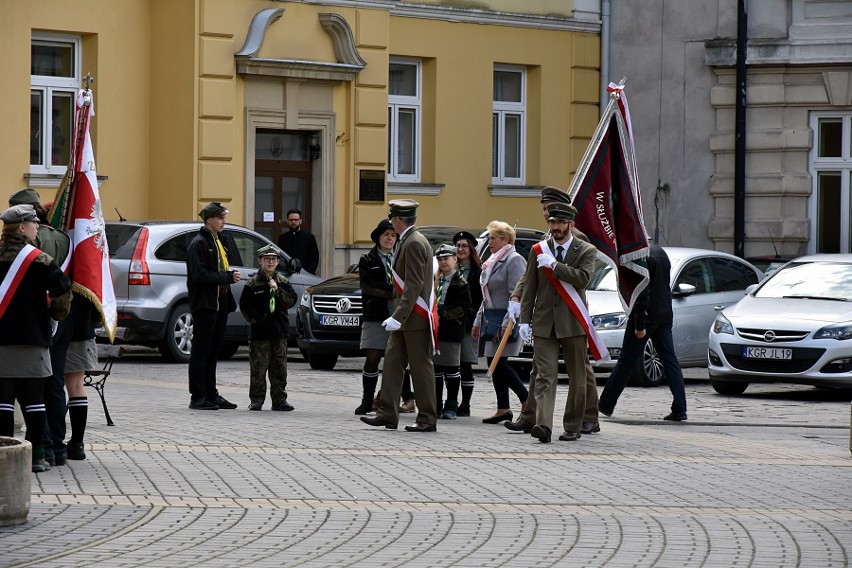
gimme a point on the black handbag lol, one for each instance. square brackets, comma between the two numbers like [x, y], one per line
[492, 321]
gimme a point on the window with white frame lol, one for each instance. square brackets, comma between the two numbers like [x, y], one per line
[54, 81]
[404, 115]
[508, 125]
[831, 173]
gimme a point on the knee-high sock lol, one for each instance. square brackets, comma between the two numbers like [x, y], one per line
[466, 384]
[439, 386]
[34, 418]
[453, 379]
[78, 411]
[369, 382]
[7, 419]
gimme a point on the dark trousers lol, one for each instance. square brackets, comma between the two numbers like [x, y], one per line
[208, 330]
[631, 352]
[55, 404]
[504, 378]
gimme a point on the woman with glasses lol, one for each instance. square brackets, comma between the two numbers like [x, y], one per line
[500, 274]
[470, 267]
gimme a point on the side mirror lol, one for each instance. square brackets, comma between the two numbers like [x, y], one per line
[294, 265]
[683, 289]
[751, 288]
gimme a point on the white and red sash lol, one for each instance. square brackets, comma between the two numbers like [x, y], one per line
[428, 312]
[572, 299]
[16, 273]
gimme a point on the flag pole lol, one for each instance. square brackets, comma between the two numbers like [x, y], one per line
[592, 148]
[500, 348]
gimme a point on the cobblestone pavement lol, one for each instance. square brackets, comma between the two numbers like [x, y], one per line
[764, 479]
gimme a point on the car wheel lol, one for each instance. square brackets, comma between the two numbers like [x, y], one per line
[322, 362]
[227, 351]
[731, 388]
[649, 371]
[178, 342]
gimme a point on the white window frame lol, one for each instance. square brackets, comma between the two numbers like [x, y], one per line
[842, 164]
[49, 86]
[396, 103]
[501, 109]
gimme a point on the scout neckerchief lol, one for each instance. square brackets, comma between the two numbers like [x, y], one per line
[572, 299]
[16, 273]
[271, 296]
[443, 284]
[388, 262]
[429, 311]
[223, 258]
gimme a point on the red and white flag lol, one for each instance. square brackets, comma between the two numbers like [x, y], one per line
[77, 210]
[605, 191]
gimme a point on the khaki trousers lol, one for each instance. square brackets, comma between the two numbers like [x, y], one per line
[591, 410]
[546, 357]
[412, 349]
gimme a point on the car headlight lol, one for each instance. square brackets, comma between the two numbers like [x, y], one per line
[306, 300]
[610, 321]
[722, 325]
[838, 332]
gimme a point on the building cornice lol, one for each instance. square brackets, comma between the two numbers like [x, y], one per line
[722, 52]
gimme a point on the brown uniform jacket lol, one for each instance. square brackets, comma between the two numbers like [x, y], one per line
[542, 306]
[413, 263]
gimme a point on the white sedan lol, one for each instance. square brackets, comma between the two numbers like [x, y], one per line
[796, 327]
[704, 282]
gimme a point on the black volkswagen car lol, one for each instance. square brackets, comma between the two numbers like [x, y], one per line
[328, 319]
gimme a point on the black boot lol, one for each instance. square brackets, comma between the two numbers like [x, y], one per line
[464, 407]
[368, 382]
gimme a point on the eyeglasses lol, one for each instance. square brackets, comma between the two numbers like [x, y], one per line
[462, 246]
[293, 219]
[269, 258]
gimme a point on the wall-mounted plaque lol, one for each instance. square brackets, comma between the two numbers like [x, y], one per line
[371, 185]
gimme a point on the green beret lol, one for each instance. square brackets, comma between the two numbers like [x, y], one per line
[213, 209]
[25, 196]
[17, 214]
[403, 208]
[550, 193]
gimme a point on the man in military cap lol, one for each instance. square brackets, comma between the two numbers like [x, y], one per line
[526, 420]
[209, 277]
[25, 331]
[264, 302]
[411, 339]
[56, 244]
[562, 259]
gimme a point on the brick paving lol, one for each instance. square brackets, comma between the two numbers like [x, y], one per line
[759, 480]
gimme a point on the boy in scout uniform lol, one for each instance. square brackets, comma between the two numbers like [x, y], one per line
[264, 302]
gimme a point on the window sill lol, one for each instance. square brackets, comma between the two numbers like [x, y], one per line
[52, 181]
[515, 190]
[405, 188]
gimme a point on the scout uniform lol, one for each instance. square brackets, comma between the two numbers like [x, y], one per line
[452, 295]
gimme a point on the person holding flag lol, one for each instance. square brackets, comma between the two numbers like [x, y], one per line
[554, 302]
[413, 325]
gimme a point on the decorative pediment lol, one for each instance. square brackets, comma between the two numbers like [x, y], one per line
[348, 64]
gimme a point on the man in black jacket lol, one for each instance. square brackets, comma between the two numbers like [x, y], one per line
[651, 318]
[299, 243]
[208, 280]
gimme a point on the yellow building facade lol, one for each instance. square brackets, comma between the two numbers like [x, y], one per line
[334, 107]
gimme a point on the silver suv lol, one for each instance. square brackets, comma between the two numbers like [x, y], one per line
[148, 261]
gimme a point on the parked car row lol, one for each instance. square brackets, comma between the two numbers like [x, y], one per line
[148, 263]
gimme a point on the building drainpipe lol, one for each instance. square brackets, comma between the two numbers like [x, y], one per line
[740, 130]
[605, 24]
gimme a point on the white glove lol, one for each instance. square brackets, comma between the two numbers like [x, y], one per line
[547, 260]
[514, 310]
[525, 331]
[391, 324]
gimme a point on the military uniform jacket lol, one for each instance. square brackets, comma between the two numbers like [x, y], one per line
[452, 314]
[27, 318]
[375, 288]
[203, 277]
[254, 305]
[542, 306]
[413, 264]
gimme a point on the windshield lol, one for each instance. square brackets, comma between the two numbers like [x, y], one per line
[821, 280]
[604, 278]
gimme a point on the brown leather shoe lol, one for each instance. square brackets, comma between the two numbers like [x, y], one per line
[541, 432]
[590, 427]
[570, 436]
[519, 425]
[407, 406]
[420, 427]
[378, 421]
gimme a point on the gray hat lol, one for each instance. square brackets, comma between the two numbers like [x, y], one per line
[550, 193]
[403, 208]
[268, 250]
[213, 209]
[445, 250]
[24, 196]
[561, 212]
[18, 214]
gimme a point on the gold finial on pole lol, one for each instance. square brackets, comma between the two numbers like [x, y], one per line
[87, 91]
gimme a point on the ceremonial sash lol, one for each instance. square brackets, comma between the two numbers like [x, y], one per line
[572, 299]
[428, 312]
[16, 273]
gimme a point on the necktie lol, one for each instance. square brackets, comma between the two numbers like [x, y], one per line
[388, 269]
[559, 256]
[271, 301]
[463, 269]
